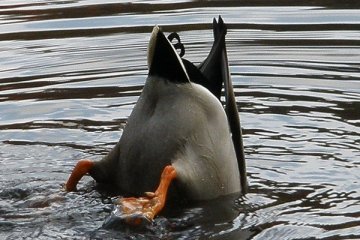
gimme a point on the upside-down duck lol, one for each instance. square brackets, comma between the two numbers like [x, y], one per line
[179, 135]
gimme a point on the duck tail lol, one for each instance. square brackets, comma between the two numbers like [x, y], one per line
[163, 60]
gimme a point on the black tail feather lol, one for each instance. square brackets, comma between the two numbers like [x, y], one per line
[163, 60]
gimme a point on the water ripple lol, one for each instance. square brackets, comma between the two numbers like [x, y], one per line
[71, 72]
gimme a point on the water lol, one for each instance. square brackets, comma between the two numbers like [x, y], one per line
[71, 72]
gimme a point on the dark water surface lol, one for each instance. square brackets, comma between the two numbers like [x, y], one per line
[71, 72]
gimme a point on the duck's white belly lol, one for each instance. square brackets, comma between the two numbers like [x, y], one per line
[183, 125]
[207, 165]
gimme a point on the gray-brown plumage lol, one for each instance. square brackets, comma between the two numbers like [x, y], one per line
[179, 120]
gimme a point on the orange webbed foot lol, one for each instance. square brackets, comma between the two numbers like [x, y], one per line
[82, 167]
[137, 211]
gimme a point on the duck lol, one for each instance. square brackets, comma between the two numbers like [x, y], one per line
[180, 139]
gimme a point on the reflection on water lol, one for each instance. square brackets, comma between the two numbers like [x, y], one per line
[71, 72]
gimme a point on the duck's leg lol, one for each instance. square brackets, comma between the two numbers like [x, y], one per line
[135, 211]
[82, 167]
